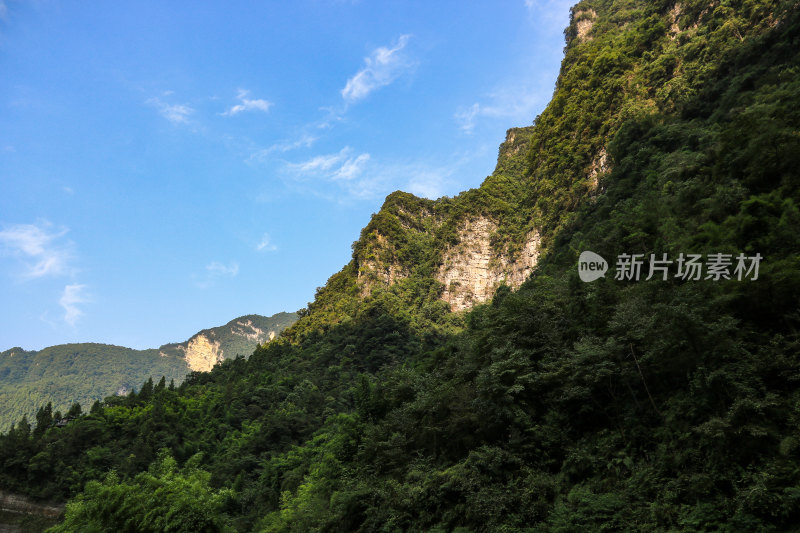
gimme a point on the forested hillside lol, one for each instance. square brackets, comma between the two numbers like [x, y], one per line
[666, 404]
[67, 374]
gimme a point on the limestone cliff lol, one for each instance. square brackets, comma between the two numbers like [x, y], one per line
[471, 271]
[463, 249]
[239, 337]
[202, 354]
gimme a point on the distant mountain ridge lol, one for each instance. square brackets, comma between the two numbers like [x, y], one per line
[84, 372]
[240, 336]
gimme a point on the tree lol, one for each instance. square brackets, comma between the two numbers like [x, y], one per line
[165, 498]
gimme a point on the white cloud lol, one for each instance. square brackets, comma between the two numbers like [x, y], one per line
[382, 67]
[247, 104]
[515, 105]
[466, 117]
[70, 298]
[517, 100]
[319, 163]
[428, 183]
[38, 246]
[175, 113]
[360, 177]
[341, 166]
[214, 271]
[265, 244]
[259, 156]
[351, 168]
[218, 269]
[344, 170]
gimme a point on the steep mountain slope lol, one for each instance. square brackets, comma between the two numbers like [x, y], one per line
[634, 61]
[83, 373]
[617, 405]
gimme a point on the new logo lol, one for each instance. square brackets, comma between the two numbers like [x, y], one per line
[591, 266]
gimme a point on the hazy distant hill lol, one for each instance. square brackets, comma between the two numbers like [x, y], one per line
[69, 373]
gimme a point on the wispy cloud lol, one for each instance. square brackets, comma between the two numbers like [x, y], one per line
[39, 247]
[3, 11]
[261, 155]
[333, 174]
[351, 168]
[218, 269]
[175, 113]
[381, 67]
[214, 271]
[517, 100]
[247, 104]
[72, 296]
[516, 105]
[428, 182]
[265, 244]
[466, 117]
[346, 176]
[339, 166]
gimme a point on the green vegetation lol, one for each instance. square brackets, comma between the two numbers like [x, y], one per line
[238, 337]
[84, 373]
[75, 373]
[635, 406]
[161, 499]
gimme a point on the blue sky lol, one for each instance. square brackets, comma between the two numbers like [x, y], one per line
[169, 166]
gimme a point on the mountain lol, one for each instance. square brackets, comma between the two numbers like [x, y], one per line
[458, 375]
[84, 373]
[239, 337]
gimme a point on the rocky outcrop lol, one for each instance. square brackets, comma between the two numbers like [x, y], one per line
[584, 20]
[471, 271]
[600, 165]
[452, 240]
[246, 329]
[239, 337]
[202, 354]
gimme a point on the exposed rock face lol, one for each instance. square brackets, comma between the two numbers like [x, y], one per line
[246, 329]
[239, 337]
[674, 14]
[414, 237]
[202, 354]
[600, 165]
[472, 271]
[584, 22]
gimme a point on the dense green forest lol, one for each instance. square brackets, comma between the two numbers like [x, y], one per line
[84, 373]
[75, 373]
[651, 405]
